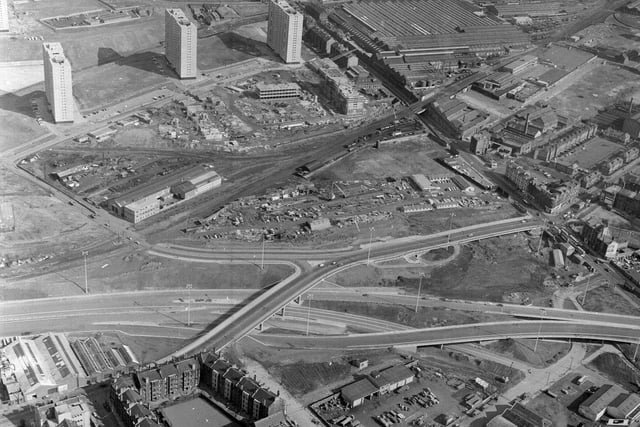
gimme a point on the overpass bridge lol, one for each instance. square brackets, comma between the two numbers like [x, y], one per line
[461, 334]
[274, 300]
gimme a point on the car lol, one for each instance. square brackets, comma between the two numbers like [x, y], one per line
[470, 235]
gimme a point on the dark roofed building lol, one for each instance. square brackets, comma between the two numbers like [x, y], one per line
[355, 393]
[595, 406]
[392, 378]
[518, 416]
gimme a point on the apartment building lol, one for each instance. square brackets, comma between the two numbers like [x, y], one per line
[57, 82]
[4, 15]
[284, 32]
[181, 43]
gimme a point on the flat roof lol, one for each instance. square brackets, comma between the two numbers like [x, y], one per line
[196, 413]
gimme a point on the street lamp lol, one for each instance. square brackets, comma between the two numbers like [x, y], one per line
[586, 289]
[189, 286]
[370, 240]
[86, 280]
[419, 289]
[309, 296]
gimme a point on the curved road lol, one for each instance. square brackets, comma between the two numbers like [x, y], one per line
[459, 334]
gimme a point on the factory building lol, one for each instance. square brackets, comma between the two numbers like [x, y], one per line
[147, 200]
[284, 32]
[278, 91]
[456, 118]
[57, 82]
[4, 15]
[181, 43]
[39, 367]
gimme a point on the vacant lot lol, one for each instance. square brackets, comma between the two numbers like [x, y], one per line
[17, 120]
[229, 48]
[599, 88]
[546, 354]
[119, 80]
[488, 270]
[595, 151]
[606, 299]
[615, 368]
[391, 160]
[302, 377]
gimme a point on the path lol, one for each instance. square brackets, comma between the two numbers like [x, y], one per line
[295, 411]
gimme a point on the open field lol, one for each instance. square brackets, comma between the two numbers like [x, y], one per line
[597, 89]
[546, 354]
[614, 368]
[404, 159]
[235, 46]
[119, 80]
[489, 270]
[606, 299]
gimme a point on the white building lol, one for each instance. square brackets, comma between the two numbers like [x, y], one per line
[57, 82]
[284, 34]
[4, 15]
[181, 43]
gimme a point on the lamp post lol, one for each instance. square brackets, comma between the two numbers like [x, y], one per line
[450, 226]
[86, 280]
[419, 289]
[370, 240]
[535, 347]
[586, 289]
[189, 286]
[309, 296]
[541, 233]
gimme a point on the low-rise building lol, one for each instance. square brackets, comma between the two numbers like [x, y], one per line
[518, 416]
[591, 178]
[354, 394]
[595, 406]
[41, 367]
[77, 410]
[602, 239]
[278, 91]
[611, 165]
[146, 200]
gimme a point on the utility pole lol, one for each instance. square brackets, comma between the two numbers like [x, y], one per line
[450, 226]
[636, 352]
[309, 296]
[586, 289]
[189, 286]
[370, 240]
[541, 234]
[86, 280]
[419, 289]
[262, 262]
[535, 347]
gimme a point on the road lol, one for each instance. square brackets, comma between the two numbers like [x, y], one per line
[460, 334]
[251, 315]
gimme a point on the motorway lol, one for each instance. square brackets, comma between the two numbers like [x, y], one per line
[251, 315]
[460, 334]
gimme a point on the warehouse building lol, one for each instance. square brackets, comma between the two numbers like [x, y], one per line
[422, 183]
[40, 367]
[596, 405]
[518, 416]
[376, 383]
[145, 201]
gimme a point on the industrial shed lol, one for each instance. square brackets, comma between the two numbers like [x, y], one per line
[355, 393]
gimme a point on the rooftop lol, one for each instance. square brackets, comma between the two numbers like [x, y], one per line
[358, 390]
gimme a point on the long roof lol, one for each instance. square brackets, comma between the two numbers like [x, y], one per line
[358, 390]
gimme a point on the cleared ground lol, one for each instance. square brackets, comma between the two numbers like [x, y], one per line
[546, 352]
[606, 299]
[592, 152]
[615, 368]
[489, 270]
[17, 120]
[119, 80]
[228, 48]
[597, 89]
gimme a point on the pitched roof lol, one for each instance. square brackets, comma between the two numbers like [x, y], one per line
[358, 390]
[264, 396]
[392, 375]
